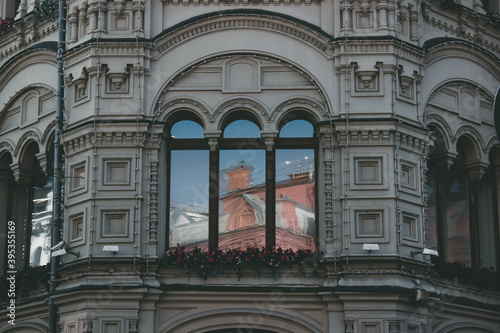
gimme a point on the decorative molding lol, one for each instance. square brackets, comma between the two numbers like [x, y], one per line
[315, 107]
[197, 106]
[32, 134]
[238, 21]
[329, 181]
[38, 56]
[458, 30]
[242, 102]
[464, 51]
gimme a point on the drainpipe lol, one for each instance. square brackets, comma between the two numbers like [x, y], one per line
[58, 174]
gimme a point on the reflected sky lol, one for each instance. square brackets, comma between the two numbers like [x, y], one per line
[187, 129]
[242, 129]
[290, 161]
[189, 178]
[297, 129]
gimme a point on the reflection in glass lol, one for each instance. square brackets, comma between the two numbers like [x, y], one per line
[297, 129]
[187, 129]
[189, 183]
[486, 224]
[242, 192]
[242, 129]
[295, 199]
[41, 217]
[456, 217]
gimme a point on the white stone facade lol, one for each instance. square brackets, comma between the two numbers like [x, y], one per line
[400, 95]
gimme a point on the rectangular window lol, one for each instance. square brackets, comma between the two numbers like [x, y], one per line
[41, 218]
[295, 199]
[242, 198]
[486, 224]
[189, 185]
[456, 217]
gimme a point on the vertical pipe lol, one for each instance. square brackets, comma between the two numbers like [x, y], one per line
[58, 175]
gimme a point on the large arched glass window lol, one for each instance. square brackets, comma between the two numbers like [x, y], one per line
[461, 210]
[28, 204]
[243, 193]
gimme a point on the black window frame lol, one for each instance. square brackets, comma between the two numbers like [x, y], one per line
[240, 143]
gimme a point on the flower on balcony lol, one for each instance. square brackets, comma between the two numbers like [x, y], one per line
[485, 278]
[27, 280]
[212, 263]
[6, 25]
[450, 4]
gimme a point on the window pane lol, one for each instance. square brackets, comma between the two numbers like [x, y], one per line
[486, 225]
[41, 217]
[297, 129]
[295, 199]
[187, 129]
[432, 241]
[189, 183]
[242, 195]
[242, 129]
[456, 218]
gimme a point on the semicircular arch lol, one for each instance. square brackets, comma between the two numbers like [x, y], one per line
[157, 107]
[230, 108]
[28, 136]
[263, 20]
[277, 321]
[299, 107]
[15, 78]
[175, 109]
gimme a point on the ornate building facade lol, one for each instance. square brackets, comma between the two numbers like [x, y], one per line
[361, 129]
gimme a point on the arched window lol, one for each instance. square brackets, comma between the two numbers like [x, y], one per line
[461, 209]
[242, 193]
[28, 204]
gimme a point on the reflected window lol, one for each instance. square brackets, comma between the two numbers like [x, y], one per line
[28, 204]
[41, 217]
[189, 198]
[241, 194]
[295, 199]
[462, 213]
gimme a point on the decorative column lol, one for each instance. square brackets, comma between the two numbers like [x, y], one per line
[346, 12]
[413, 24]
[73, 23]
[97, 12]
[138, 9]
[82, 15]
[382, 14]
[391, 13]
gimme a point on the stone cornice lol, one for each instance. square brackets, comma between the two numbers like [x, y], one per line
[463, 23]
[107, 48]
[267, 21]
[458, 49]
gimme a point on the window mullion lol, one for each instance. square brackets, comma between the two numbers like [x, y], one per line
[213, 201]
[270, 198]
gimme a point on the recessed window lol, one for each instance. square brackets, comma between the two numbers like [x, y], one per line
[461, 212]
[241, 194]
